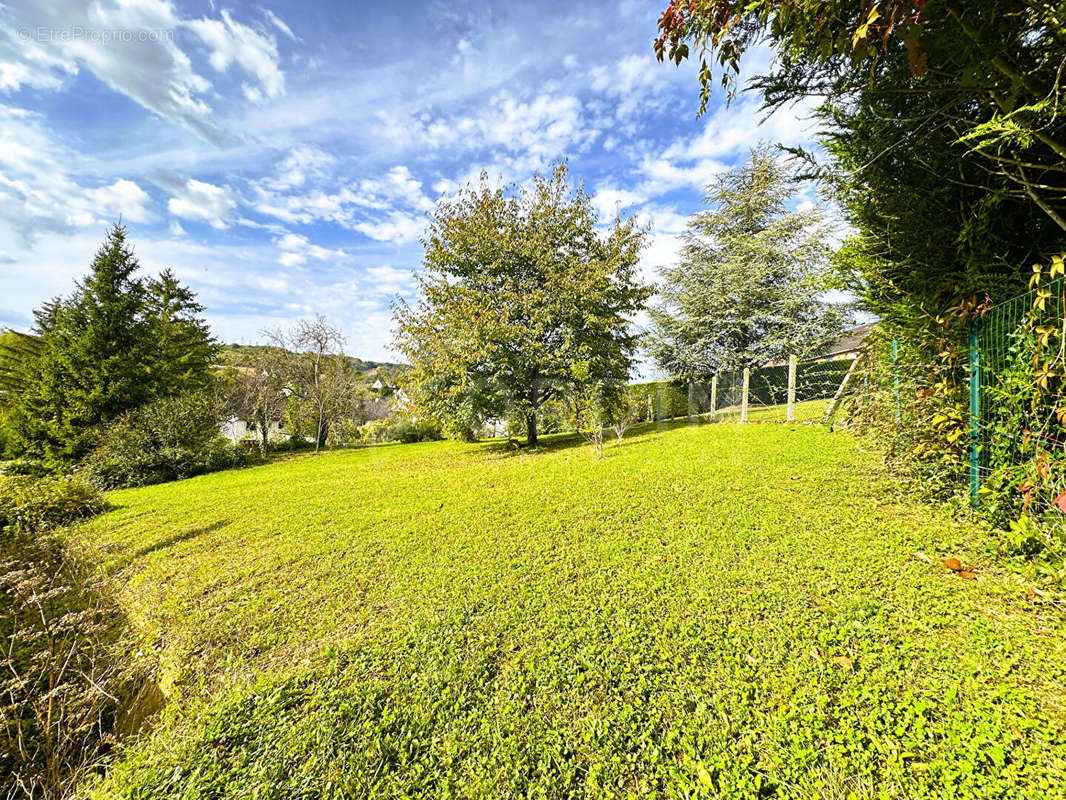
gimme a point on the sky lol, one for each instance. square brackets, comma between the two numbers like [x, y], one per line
[281, 157]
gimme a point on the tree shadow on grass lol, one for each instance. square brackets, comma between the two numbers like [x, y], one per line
[555, 442]
[549, 443]
[177, 538]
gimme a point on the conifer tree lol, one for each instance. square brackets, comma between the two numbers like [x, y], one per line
[109, 347]
[185, 348]
[749, 288]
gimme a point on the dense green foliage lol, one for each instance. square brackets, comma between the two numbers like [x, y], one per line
[522, 301]
[714, 610]
[748, 288]
[115, 343]
[988, 75]
[31, 504]
[185, 350]
[911, 95]
[401, 428]
[164, 440]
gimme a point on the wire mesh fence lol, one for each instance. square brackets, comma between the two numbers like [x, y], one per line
[791, 392]
[1018, 400]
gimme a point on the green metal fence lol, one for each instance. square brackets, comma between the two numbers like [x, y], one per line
[1017, 400]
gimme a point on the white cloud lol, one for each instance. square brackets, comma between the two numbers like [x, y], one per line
[388, 280]
[205, 202]
[256, 53]
[397, 186]
[279, 24]
[386, 208]
[302, 163]
[39, 192]
[609, 201]
[398, 228]
[296, 250]
[144, 64]
[121, 197]
[524, 133]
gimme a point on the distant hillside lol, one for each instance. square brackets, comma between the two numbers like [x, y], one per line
[239, 355]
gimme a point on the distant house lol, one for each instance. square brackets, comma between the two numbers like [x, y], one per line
[847, 346]
[385, 389]
[236, 430]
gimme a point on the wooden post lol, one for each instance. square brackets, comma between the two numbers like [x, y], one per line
[790, 413]
[714, 395]
[829, 412]
[744, 396]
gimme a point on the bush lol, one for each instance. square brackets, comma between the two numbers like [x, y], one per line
[166, 440]
[33, 467]
[66, 682]
[908, 394]
[401, 429]
[28, 504]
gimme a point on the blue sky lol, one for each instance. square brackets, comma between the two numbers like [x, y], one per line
[281, 157]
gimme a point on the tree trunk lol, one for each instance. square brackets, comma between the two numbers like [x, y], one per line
[531, 428]
[323, 434]
[264, 434]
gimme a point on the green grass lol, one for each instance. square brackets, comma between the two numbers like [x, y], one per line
[715, 610]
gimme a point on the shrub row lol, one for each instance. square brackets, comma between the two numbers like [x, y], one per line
[401, 429]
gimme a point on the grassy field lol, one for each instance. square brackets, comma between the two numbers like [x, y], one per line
[715, 610]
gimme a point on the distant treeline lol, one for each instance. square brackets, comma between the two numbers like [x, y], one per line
[240, 355]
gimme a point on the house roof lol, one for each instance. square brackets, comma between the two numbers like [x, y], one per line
[851, 339]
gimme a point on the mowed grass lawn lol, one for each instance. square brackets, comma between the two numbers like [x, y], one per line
[709, 611]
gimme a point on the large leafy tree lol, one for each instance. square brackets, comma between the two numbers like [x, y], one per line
[523, 299]
[749, 287]
[98, 356]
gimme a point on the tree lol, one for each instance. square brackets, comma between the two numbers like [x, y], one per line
[316, 371]
[185, 348]
[521, 301]
[994, 68]
[17, 352]
[587, 404]
[94, 361]
[942, 120]
[748, 288]
[624, 413]
[259, 392]
[98, 357]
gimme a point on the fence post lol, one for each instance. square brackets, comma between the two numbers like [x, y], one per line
[714, 395]
[975, 412]
[790, 413]
[691, 400]
[744, 396]
[895, 378]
